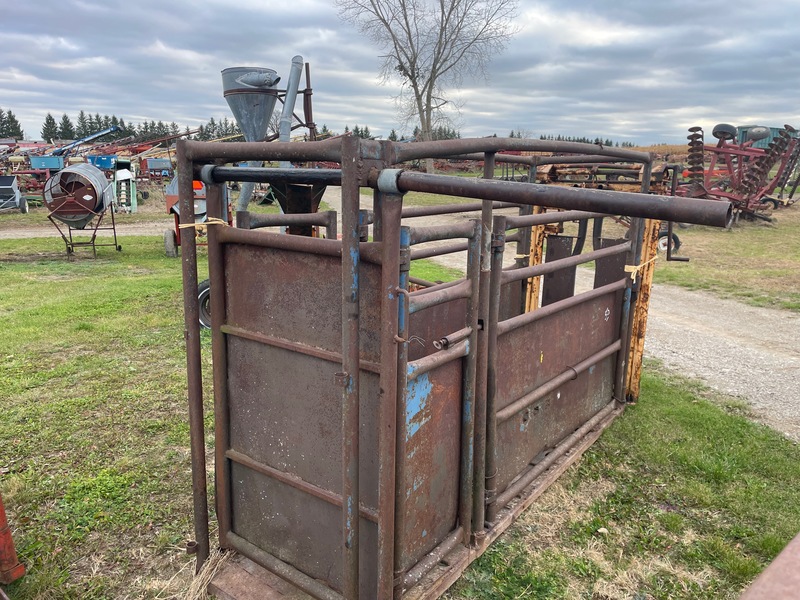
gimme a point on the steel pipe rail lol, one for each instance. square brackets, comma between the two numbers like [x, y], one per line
[213, 174]
[571, 261]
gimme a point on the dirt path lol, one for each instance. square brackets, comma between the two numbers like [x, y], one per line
[747, 352]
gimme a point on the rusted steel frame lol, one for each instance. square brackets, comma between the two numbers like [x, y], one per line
[571, 372]
[518, 321]
[351, 365]
[488, 244]
[299, 348]
[213, 174]
[515, 222]
[326, 150]
[420, 235]
[219, 353]
[433, 558]
[410, 212]
[369, 251]
[449, 148]
[535, 257]
[628, 299]
[401, 431]
[436, 287]
[570, 261]
[426, 364]
[296, 482]
[471, 394]
[283, 570]
[781, 578]
[422, 282]
[543, 160]
[390, 207]
[452, 338]
[249, 220]
[193, 359]
[516, 488]
[417, 301]
[666, 208]
[418, 253]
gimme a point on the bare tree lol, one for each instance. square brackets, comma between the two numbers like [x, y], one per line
[432, 44]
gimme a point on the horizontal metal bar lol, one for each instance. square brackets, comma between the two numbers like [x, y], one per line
[513, 323]
[334, 357]
[540, 159]
[666, 208]
[516, 488]
[436, 287]
[419, 253]
[283, 570]
[410, 212]
[514, 222]
[420, 235]
[326, 150]
[510, 275]
[437, 359]
[257, 220]
[568, 374]
[452, 338]
[296, 482]
[417, 302]
[418, 571]
[272, 175]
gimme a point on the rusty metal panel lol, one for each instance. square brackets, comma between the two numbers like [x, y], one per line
[532, 355]
[560, 284]
[611, 268]
[512, 299]
[432, 447]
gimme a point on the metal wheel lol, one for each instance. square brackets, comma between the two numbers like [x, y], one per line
[23, 205]
[663, 241]
[170, 243]
[204, 298]
[723, 131]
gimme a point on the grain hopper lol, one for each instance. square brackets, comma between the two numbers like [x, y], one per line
[78, 198]
[10, 197]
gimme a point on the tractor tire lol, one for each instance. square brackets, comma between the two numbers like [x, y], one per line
[663, 241]
[757, 133]
[171, 243]
[204, 299]
[23, 205]
[723, 131]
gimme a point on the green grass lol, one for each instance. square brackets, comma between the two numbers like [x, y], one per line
[683, 497]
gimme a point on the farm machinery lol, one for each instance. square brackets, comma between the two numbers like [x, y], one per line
[742, 173]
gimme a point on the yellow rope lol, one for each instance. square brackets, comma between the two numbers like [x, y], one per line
[201, 228]
[636, 268]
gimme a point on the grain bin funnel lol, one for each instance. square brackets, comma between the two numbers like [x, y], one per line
[251, 93]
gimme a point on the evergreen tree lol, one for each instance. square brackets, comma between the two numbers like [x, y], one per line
[66, 130]
[174, 129]
[49, 129]
[98, 123]
[82, 127]
[3, 122]
[392, 136]
[9, 126]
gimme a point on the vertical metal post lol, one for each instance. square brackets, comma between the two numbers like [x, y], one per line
[191, 334]
[400, 417]
[391, 205]
[491, 375]
[350, 364]
[217, 207]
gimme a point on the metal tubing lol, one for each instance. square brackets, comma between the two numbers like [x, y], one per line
[400, 416]
[350, 365]
[283, 570]
[433, 558]
[560, 450]
[213, 174]
[420, 235]
[193, 359]
[410, 212]
[440, 296]
[545, 160]
[571, 261]
[418, 253]
[686, 210]
[390, 206]
[215, 195]
[256, 220]
[437, 359]
[326, 150]
[568, 374]
[296, 482]
[504, 327]
[516, 222]
[452, 338]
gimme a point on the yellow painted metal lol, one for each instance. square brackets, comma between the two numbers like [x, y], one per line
[645, 276]
[535, 258]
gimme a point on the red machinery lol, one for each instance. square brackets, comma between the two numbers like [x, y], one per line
[740, 172]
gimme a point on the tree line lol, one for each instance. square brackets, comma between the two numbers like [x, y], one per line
[583, 139]
[9, 126]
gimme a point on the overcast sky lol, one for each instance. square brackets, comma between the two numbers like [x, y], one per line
[636, 70]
